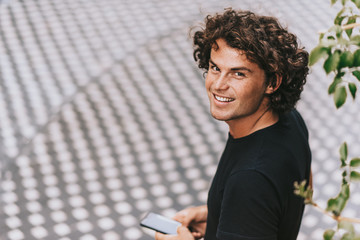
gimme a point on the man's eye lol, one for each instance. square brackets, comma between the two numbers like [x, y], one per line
[215, 68]
[239, 74]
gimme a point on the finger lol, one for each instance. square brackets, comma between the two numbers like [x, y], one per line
[182, 230]
[160, 236]
[180, 215]
[198, 227]
[179, 218]
[184, 233]
[196, 235]
[183, 217]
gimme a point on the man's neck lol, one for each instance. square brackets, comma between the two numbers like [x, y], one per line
[245, 126]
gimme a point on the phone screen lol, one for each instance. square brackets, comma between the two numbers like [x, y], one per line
[160, 223]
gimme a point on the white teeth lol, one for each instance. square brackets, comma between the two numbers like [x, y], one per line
[223, 99]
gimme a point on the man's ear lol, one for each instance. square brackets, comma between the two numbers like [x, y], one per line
[271, 88]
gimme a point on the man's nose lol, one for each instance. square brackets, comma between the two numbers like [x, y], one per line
[221, 82]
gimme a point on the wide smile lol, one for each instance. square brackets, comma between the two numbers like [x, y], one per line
[223, 99]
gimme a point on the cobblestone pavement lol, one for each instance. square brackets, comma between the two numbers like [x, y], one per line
[104, 117]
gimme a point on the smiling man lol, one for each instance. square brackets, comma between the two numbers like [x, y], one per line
[237, 88]
[255, 73]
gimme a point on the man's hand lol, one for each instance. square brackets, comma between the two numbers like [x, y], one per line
[183, 234]
[195, 219]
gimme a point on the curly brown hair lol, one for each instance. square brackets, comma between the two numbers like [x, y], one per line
[264, 42]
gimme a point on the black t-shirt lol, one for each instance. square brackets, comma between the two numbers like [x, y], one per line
[252, 194]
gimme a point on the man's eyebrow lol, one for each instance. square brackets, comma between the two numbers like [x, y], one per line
[242, 68]
[211, 61]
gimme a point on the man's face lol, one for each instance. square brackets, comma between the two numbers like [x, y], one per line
[235, 86]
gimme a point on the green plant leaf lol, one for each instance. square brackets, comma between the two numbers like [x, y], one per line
[354, 176]
[343, 2]
[332, 62]
[334, 84]
[336, 205]
[343, 163]
[329, 234]
[321, 36]
[338, 31]
[356, 62]
[352, 88]
[340, 96]
[317, 53]
[348, 236]
[329, 43]
[335, 29]
[343, 151]
[340, 74]
[350, 21]
[338, 20]
[333, 2]
[345, 191]
[356, 74]
[332, 204]
[355, 40]
[346, 59]
[357, 237]
[339, 17]
[355, 162]
[357, 3]
[346, 226]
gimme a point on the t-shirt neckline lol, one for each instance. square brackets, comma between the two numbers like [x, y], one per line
[253, 134]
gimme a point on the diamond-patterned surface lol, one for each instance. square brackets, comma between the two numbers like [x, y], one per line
[104, 117]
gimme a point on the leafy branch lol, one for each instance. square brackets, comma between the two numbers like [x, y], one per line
[336, 205]
[339, 46]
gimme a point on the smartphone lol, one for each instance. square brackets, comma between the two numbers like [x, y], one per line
[160, 223]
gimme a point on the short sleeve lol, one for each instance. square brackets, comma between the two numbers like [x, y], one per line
[250, 208]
